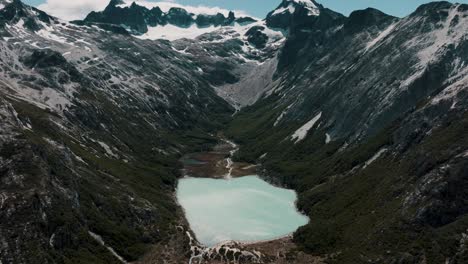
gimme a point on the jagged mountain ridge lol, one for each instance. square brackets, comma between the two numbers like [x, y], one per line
[227, 48]
[139, 18]
[290, 10]
[369, 36]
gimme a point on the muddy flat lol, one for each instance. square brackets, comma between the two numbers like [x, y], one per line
[215, 163]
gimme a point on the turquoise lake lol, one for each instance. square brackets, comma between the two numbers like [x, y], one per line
[243, 209]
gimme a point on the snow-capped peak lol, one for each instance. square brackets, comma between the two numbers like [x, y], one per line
[4, 3]
[310, 5]
[165, 6]
[307, 3]
[289, 6]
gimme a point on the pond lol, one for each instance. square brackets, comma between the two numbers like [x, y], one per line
[245, 209]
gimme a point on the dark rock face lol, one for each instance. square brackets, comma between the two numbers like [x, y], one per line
[179, 17]
[15, 11]
[214, 20]
[363, 19]
[44, 59]
[80, 108]
[134, 17]
[314, 29]
[245, 20]
[256, 36]
[54, 66]
[391, 98]
[156, 17]
[280, 21]
[137, 18]
[108, 27]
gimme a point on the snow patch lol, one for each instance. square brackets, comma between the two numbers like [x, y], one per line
[51, 240]
[310, 6]
[328, 138]
[381, 36]
[306, 3]
[98, 238]
[49, 33]
[375, 157]
[197, 10]
[3, 198]
[312, 9]
[463, 154]
[302, 132]
[172, 32]
[457, 83]
[107, 149]
[290, 8]
[433, 45]
[47, 98]
[280, 117]
[78, 158]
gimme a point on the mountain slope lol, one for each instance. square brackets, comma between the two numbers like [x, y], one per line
[94, 125]
[228, 49]
[365, 120]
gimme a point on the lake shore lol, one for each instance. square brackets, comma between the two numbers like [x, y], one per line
[217, 164]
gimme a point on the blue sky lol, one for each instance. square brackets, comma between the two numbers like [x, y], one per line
[260, 8]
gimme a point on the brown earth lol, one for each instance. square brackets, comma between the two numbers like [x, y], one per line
[213, 164]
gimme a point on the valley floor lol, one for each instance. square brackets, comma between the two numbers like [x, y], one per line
[216, 163]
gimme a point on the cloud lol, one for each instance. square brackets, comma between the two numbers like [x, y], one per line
[78, 9]
[200, 9]
[72, 10]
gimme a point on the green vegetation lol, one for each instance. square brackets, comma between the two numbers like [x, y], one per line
[358, 215]
[127, 199]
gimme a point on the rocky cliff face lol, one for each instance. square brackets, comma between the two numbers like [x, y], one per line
[138, 18]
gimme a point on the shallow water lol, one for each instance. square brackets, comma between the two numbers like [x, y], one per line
[243, 209]
[189, 161]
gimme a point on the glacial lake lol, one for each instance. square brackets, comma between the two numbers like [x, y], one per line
[245, 209]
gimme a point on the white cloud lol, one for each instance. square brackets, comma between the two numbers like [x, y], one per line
[78, 9]
[72, 10]
[201, 9]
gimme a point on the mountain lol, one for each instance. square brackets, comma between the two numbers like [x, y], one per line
[364, 116]
[93, 123]
[291, 11]
[138, 19]
[227, 49]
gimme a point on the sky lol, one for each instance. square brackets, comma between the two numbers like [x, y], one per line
[76, 9]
